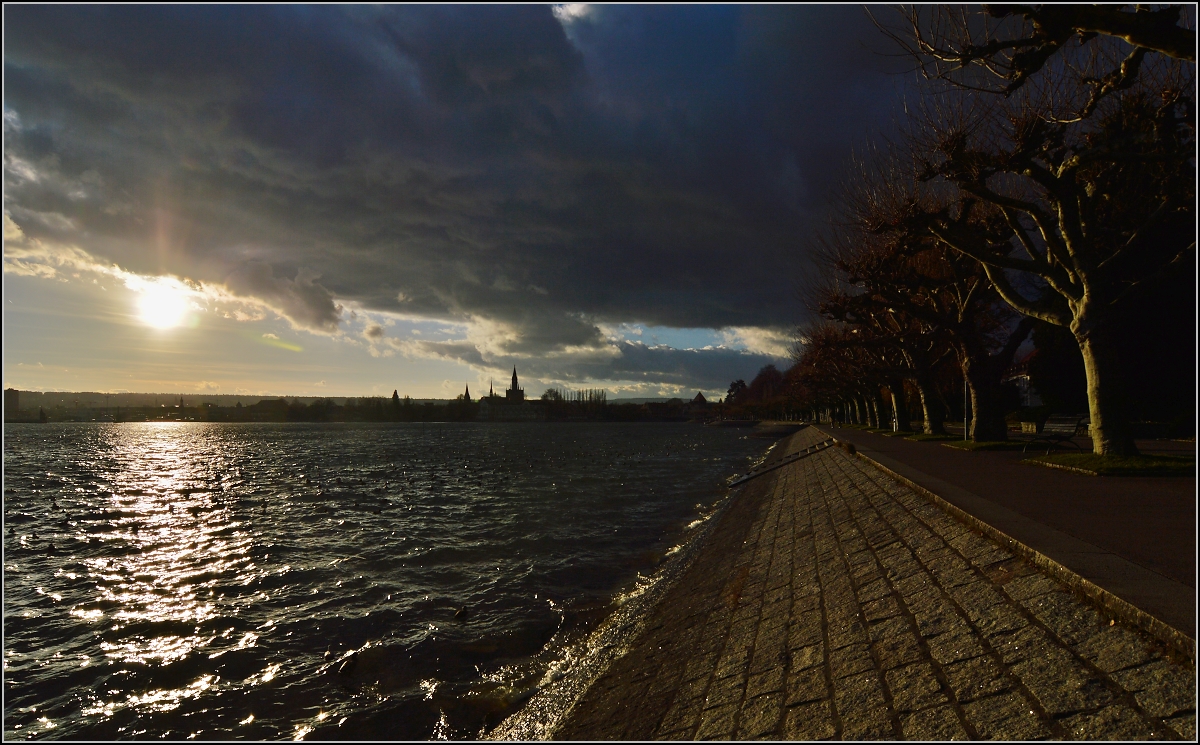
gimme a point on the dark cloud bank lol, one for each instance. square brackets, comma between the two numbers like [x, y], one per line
[646, 164]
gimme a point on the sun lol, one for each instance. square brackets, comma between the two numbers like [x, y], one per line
[161, 305]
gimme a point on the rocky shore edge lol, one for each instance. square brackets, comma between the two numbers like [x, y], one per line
[538, 718]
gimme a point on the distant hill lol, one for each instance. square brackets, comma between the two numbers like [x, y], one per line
[93, 400]
[31, 400]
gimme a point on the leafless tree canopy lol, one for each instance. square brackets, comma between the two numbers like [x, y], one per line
[1058, 199]
[1001, 48]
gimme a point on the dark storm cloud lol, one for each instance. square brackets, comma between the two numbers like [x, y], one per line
[710, 369]
[301, 299]
[643, 164]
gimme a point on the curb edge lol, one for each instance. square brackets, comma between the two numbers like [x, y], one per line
[1109, 602]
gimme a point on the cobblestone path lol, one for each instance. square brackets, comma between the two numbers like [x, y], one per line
[833, 602]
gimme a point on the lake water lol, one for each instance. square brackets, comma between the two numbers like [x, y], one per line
[268, 581]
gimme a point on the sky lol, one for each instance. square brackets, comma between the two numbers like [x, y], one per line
[351, 200]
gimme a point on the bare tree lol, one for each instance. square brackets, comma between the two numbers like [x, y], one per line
[916, 291]
[835, 371]
[1069, 219]
[1000, 48]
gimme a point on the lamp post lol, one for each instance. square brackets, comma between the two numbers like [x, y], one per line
[964, 408]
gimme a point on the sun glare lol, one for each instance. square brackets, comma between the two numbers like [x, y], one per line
[161, 305]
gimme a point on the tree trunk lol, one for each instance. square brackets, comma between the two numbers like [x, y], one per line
[1111, 432]
[931, 407]
[987, 414]
[882, 415]
[900, 406]
[872, 412]
[983, 372]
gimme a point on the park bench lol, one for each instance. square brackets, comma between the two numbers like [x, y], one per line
[1056, 430]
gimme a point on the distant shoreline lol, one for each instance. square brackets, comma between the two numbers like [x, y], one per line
[26, 407]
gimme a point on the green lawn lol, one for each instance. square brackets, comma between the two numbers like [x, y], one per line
[922, 437]
[1112, 465]
[986, 445]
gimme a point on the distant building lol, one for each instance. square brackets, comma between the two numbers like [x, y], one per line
[699, 407]
[512, 407]
[467, 392]
[12, 401]
[515, 394]
[1018, 375]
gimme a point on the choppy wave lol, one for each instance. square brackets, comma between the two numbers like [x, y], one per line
[326, 581]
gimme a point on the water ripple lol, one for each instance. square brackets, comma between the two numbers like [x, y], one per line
[180, 580]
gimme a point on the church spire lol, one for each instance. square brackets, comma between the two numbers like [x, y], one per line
[467, 394]
[514, 385]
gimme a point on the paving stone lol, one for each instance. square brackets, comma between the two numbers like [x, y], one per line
[948, 648]
[1116, 648]
[989, 557]
[771, 656]
[807, 657]
[936, 724]
[1069, 619]
[891, 627]
[874, 591]
[760, 716]
[1061, 684]
[665, 683]
[897, 650]
[936, 617]
[976, 678]
[946, 561]
[850, 660]
[681, 734]
[844, 632]
[1007, 716]
[866, 575]
[1029, 642]
[1031, 586]
[839, 599]
[700, 667]
[834, 602]
[914, 687]
[781, 594]
[860, 704]
[1184, 725]
[880, 609]
[768, 682]
[913, 583]
[745, 623]
[976, 598]
[805, 603]
[807, 685]
[1118, 722]
[1161, 688]
[955, 578]
[999, 619]
[717, 724]
[734, 660]
[725, 691]
[691, 691]
[809, 722]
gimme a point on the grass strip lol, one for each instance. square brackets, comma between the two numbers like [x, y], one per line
[986, 445]
[1118, 465]
[922, 437]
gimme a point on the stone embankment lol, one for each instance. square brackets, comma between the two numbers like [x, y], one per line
[832, 601]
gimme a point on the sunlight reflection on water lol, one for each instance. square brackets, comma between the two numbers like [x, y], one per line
[301, 581]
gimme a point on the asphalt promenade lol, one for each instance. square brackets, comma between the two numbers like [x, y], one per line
[832, 601]
[1133, 536]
